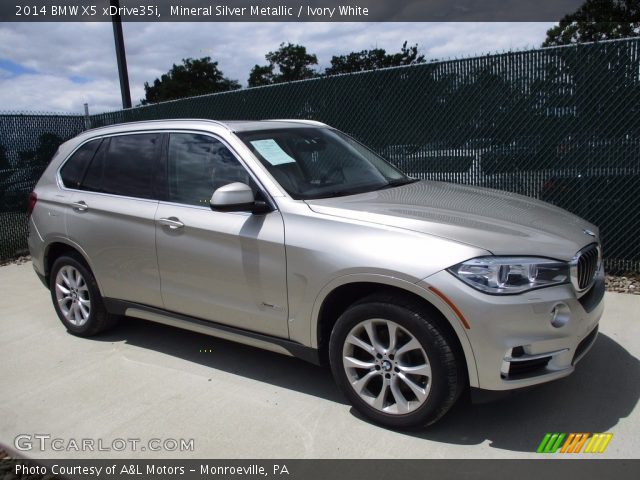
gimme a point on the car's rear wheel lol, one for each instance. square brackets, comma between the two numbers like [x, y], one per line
[395, 363]
[76, 297]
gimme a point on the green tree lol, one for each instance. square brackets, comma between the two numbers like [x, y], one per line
[261, 75]
[290, 62]
[4, 161]
[374, 59]
[597, 20]
[194, 77]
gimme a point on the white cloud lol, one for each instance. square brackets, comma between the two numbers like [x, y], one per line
[51, 93]
[58, 51]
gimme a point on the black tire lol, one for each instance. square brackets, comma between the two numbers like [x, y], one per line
[446, 379]
[98, 319]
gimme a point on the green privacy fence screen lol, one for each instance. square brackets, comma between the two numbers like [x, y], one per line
[559, 124]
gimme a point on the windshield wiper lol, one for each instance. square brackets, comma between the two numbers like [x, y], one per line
[369, 188]
[344, 193]
[335, 193]
[399, 183]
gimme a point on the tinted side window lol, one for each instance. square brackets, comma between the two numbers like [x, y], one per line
[130, 165]
[93, 177]
[198, 165]
[74, 168]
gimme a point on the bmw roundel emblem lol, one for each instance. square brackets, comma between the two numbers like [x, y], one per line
[588, 232]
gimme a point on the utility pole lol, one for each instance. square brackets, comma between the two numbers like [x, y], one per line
[120, 55]
[87, 118]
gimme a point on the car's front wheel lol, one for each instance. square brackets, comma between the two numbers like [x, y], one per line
[76, 297]
[395, 362]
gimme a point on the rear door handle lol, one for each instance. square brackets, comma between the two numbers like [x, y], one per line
[172, 222]
[79, 206]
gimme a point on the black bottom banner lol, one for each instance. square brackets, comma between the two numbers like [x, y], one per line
[17, 469]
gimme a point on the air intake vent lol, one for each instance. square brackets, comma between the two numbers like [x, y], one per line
[527, 367]
[585, 345]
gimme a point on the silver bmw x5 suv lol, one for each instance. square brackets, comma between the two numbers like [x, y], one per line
[291, 236]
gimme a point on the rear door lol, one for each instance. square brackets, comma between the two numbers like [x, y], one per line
[111, 215]
[227, 267]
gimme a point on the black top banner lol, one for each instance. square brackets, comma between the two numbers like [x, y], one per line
[287, 10]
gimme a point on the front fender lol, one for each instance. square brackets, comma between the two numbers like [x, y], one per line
[420, 290]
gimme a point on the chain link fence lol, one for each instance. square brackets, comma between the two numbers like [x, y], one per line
[558, 124]
[27, 143]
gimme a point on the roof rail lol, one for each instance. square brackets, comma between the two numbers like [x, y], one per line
[297, 120]
[144, 122]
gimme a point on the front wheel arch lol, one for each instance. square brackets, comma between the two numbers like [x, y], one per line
[379, 336]
[345, 291]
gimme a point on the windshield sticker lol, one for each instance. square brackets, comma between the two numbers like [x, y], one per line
[272, 152]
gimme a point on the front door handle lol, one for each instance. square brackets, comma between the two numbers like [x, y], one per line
[79, 206]
[172, 222]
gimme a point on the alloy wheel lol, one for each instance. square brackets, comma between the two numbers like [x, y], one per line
[387, 366]
[72, 294]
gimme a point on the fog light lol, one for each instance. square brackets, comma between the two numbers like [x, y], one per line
[560, 315]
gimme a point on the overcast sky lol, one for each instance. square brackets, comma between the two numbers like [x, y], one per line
[57, 67]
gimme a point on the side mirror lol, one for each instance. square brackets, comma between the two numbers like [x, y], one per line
[237, 197]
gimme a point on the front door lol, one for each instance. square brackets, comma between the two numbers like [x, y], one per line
[227, 267]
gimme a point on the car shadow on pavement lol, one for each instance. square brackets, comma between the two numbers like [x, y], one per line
[604, 388]
[231, 357]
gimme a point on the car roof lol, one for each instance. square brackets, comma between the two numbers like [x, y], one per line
[215, 126]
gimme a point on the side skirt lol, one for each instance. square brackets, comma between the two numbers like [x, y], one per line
[214, 329]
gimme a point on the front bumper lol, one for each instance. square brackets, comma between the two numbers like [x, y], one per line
[513, 341]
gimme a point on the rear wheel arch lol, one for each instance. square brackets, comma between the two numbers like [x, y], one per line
[76, 297]
[56, 249]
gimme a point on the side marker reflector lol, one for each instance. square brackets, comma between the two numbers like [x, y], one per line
[451, 306]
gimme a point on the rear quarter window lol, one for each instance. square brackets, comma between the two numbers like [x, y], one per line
[125, 165]
[72, 172]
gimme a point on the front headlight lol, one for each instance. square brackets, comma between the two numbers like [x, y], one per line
[509, 275]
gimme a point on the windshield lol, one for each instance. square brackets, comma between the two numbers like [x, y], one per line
[320, 162]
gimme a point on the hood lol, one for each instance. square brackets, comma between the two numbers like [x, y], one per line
[500, 222]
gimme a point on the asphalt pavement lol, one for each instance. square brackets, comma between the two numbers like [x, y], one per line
[168, 393]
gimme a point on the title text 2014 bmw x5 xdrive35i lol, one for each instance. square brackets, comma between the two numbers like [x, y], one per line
[291, 236]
